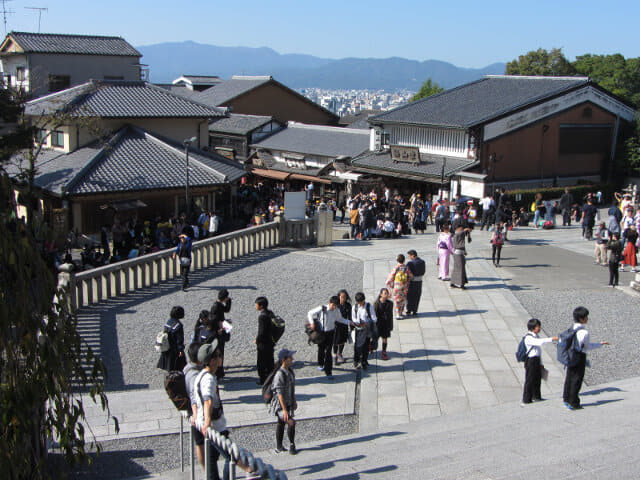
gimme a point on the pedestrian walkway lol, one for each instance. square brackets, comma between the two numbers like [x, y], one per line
[143, 413]
[458, 354]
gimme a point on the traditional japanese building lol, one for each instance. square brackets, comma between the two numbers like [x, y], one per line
[513, 131]
[109, 146]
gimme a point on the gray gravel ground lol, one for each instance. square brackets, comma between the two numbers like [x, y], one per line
[294, 281]
[550, 282]
[145, 455]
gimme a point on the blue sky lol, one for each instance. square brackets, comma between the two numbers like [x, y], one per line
[465, 33]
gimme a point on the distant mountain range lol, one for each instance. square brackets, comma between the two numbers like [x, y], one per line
[167, 61]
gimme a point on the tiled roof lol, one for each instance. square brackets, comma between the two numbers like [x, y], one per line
[181, 90]
[479, 101]
[239, 124]
[133, 160]
[360, 120]
[430, 166]
[317, 140]
[200, 79]
[118, 99]
[74, 44]
[225, 91]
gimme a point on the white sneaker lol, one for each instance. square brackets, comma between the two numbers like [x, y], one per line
[622, 269]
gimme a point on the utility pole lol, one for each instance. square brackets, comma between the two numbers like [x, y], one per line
[40, 10]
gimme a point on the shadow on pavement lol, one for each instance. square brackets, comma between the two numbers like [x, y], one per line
[601, 402]
[356, 475]
[602, 390]
[449, 313]
[98, 323]
[101, 466]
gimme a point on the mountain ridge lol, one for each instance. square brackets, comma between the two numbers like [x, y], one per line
[169, 60]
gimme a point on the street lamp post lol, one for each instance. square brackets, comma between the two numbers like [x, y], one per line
[187, 144]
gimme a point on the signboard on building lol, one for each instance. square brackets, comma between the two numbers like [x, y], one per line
[294, 205]
[401, 153]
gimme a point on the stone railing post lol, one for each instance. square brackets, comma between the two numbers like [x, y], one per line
[282, 239]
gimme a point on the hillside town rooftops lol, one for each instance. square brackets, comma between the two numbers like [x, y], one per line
[480, 101]
[317, 140]
[132, 160]
[28, 42]
[120, 99]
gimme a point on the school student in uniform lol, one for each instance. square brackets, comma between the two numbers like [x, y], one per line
[533, 363]
[325, 317]
[575, 375]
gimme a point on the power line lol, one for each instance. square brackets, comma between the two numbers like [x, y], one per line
[40, 10]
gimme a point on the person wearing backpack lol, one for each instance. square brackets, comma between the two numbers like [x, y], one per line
[363, 319]
[264, 342]
[398, 283]
[533, 361]
[283, 403]
[497, 240]
[209, 410]
[191, 372]
[324, 318]
[173, 358]
[580, 343]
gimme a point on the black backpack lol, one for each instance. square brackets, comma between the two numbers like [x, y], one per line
[176, 389]
[522, 353]
[276, 328]
[568, 348]
[267, 393]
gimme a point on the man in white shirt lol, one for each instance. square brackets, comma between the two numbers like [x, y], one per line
[575, 374]
[533, 363]
[208, 403]
[214, 224]
[363, 318]
[487, 202]
[325, 317]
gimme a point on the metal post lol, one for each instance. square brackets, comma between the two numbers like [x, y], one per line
[207, 457]
[191, 449]
[186, 188]
[181, 444]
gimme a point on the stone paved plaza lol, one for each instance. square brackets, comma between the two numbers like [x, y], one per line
[454, 360]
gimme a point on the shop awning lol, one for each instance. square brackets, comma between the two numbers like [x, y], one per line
[309, 178]
[124, 205]
[275, 174]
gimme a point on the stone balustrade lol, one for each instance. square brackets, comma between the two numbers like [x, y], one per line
[635, 284]
[102, 283]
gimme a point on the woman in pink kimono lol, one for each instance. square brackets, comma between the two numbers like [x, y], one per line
[445, 249]
[398, 283]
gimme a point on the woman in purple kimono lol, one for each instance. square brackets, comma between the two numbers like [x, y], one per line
[445, 249]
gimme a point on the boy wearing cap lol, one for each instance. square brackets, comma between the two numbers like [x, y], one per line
[283, 403]
[208, 403]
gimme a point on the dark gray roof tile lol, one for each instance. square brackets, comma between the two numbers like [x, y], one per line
[479, 101]
[225, 91]
[430, 165]
[133, 160]
[118, 99]
[239, 124]
[317, 140]
[73, 44]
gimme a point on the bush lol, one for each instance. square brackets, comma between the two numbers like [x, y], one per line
[524, 198]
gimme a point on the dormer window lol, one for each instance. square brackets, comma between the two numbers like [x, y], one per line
[57, 139]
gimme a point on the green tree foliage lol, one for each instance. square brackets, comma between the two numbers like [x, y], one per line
[427, 89]
[44, 363]
[632, 149]
[541, 62]
[615, 73]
